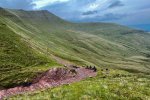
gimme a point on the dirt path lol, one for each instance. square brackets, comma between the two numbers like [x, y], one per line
[51, 78]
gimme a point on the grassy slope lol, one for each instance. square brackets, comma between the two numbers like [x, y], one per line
[17, 60]
[117, 85]
[98, 44]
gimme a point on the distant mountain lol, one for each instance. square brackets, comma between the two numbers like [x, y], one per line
[40, 34]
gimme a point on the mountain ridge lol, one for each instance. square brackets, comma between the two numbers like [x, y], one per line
[98, 44]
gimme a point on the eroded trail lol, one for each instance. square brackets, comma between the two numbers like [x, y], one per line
[51, 78]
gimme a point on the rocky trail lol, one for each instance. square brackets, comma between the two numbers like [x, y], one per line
[50, 78]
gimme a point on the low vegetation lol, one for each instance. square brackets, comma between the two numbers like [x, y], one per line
[18, 62]
[29, 39]
[115, 85]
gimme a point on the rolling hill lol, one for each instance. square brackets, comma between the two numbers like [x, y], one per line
[30, 39]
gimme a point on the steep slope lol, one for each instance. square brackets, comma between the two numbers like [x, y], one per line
[101, 44]
[17, 60]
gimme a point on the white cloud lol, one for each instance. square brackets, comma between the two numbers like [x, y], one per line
[98, 5]
[42, 3]
[93, 6]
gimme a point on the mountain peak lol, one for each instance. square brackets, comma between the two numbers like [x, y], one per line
[2, 8]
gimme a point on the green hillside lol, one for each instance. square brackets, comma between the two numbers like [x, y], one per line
[17, 60]
[29, 39]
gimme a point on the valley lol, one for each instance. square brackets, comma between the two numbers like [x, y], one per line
[36, 41]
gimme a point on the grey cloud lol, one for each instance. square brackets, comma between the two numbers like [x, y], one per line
[111, 16]
[89, 12]
[126, 12]
[116, 4]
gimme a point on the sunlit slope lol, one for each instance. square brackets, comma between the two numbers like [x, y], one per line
[99, 44]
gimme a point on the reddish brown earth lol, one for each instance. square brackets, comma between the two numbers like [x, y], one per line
[51, 78]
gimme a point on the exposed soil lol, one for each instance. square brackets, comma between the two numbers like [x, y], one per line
[51, 78]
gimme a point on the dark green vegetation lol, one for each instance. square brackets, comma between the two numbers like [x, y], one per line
[29, 38]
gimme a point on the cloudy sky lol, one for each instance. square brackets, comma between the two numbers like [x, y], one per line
[134, 13]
